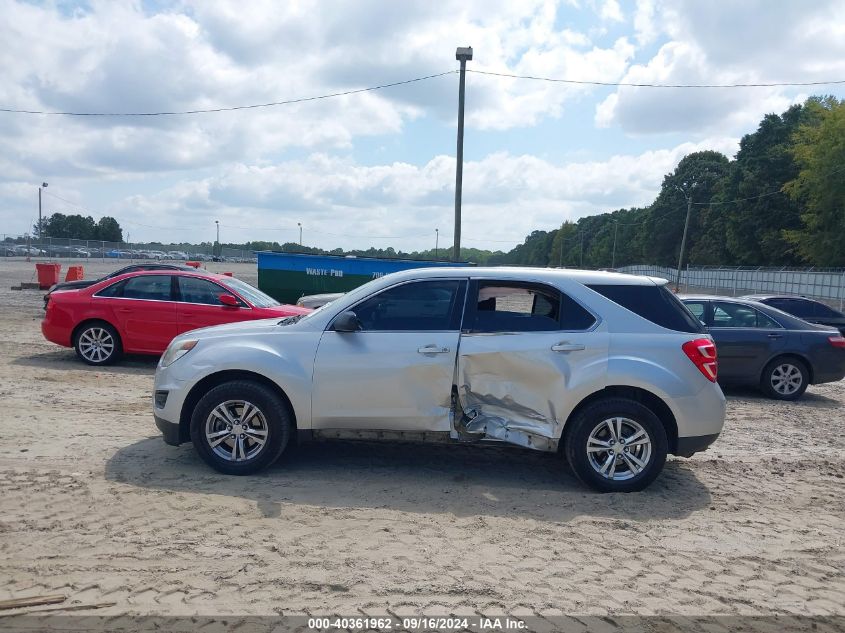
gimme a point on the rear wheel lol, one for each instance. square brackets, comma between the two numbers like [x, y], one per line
[240, 427]
[785, 378]
[616, 445]
[97, 343]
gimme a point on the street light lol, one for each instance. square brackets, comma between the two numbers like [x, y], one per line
[217, 222]
[299, 224]
[43, 185]
[436, 243]
[463, 55]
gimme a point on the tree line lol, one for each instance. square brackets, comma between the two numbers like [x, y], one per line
[779, 202]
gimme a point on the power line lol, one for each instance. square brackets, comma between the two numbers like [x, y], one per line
[415, 80]
[232, 108]
[650, 85]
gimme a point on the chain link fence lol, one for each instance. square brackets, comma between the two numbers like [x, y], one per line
[64, 248]
[824, 284]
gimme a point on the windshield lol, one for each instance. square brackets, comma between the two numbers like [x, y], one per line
[251, 294]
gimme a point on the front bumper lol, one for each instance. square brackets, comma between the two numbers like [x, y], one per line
[169, 431]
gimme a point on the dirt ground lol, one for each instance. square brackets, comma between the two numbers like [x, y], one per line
[95, 506]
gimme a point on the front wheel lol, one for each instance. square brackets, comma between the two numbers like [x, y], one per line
[240, 427]
[785, 379]
[616, 445]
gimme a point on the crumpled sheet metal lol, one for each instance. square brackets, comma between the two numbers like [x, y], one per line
[516, 412]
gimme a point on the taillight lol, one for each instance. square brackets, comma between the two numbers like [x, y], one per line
[702, 352]
[836, 341]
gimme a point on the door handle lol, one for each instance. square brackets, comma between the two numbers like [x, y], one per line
[432, 349]
[566, 346]
[774, 335]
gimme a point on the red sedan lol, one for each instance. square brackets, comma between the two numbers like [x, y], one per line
[141, 312]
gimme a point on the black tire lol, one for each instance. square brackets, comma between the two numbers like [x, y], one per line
[594, 416]
[84, 340]
[774, 384]
[276, 420]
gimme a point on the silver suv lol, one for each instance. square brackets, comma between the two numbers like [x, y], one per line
[610, 370]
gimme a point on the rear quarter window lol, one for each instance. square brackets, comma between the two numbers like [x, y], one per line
[654, 303]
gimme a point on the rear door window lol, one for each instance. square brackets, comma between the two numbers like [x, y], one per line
[654, 303]
[149, 287]
[502, 306]
[736, 315]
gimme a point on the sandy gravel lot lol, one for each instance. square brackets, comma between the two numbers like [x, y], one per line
[95, 506]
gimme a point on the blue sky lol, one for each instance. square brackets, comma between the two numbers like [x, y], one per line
[356, 169]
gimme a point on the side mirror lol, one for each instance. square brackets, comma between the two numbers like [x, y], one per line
[229, 301]
[346, 322]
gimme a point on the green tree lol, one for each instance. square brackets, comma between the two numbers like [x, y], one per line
[108, 230]
[752, 226]
[698, 175]
[819, 188]
[69, 226]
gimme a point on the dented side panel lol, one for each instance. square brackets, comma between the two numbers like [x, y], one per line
[513, 387]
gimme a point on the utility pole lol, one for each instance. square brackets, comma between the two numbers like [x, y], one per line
[581, 265]
[436, 244]
[688, 196]
[299, 224]
[463, 54]
[40, 226]
[219, 250]
[613, 257]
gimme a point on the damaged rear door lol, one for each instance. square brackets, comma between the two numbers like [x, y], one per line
[528, 353]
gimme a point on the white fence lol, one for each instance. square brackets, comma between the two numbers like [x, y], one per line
[827, 285]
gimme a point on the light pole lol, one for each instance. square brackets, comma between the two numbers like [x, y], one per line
[688, 196]
[436, 244]
[463, 55]
[299, 224]
[217, 223]
[43, 185]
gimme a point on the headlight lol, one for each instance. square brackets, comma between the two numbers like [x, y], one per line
[175, 351]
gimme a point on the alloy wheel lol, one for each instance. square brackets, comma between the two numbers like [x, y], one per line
[96, 344]
[619, 448]
[236, 430]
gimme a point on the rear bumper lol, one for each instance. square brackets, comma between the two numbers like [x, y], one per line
[687, 446]
[56, 334]
[169, 431]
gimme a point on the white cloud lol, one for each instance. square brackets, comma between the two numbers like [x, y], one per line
[117, 57]
[342, 203]
[741, 41]
[610, 10]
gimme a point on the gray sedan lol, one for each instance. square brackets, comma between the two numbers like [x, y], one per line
[762, 346]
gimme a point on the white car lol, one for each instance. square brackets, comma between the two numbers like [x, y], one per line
[610, 370]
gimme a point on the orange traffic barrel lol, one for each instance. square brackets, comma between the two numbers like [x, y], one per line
[194, 264]
[48, 275]
[74, 273]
